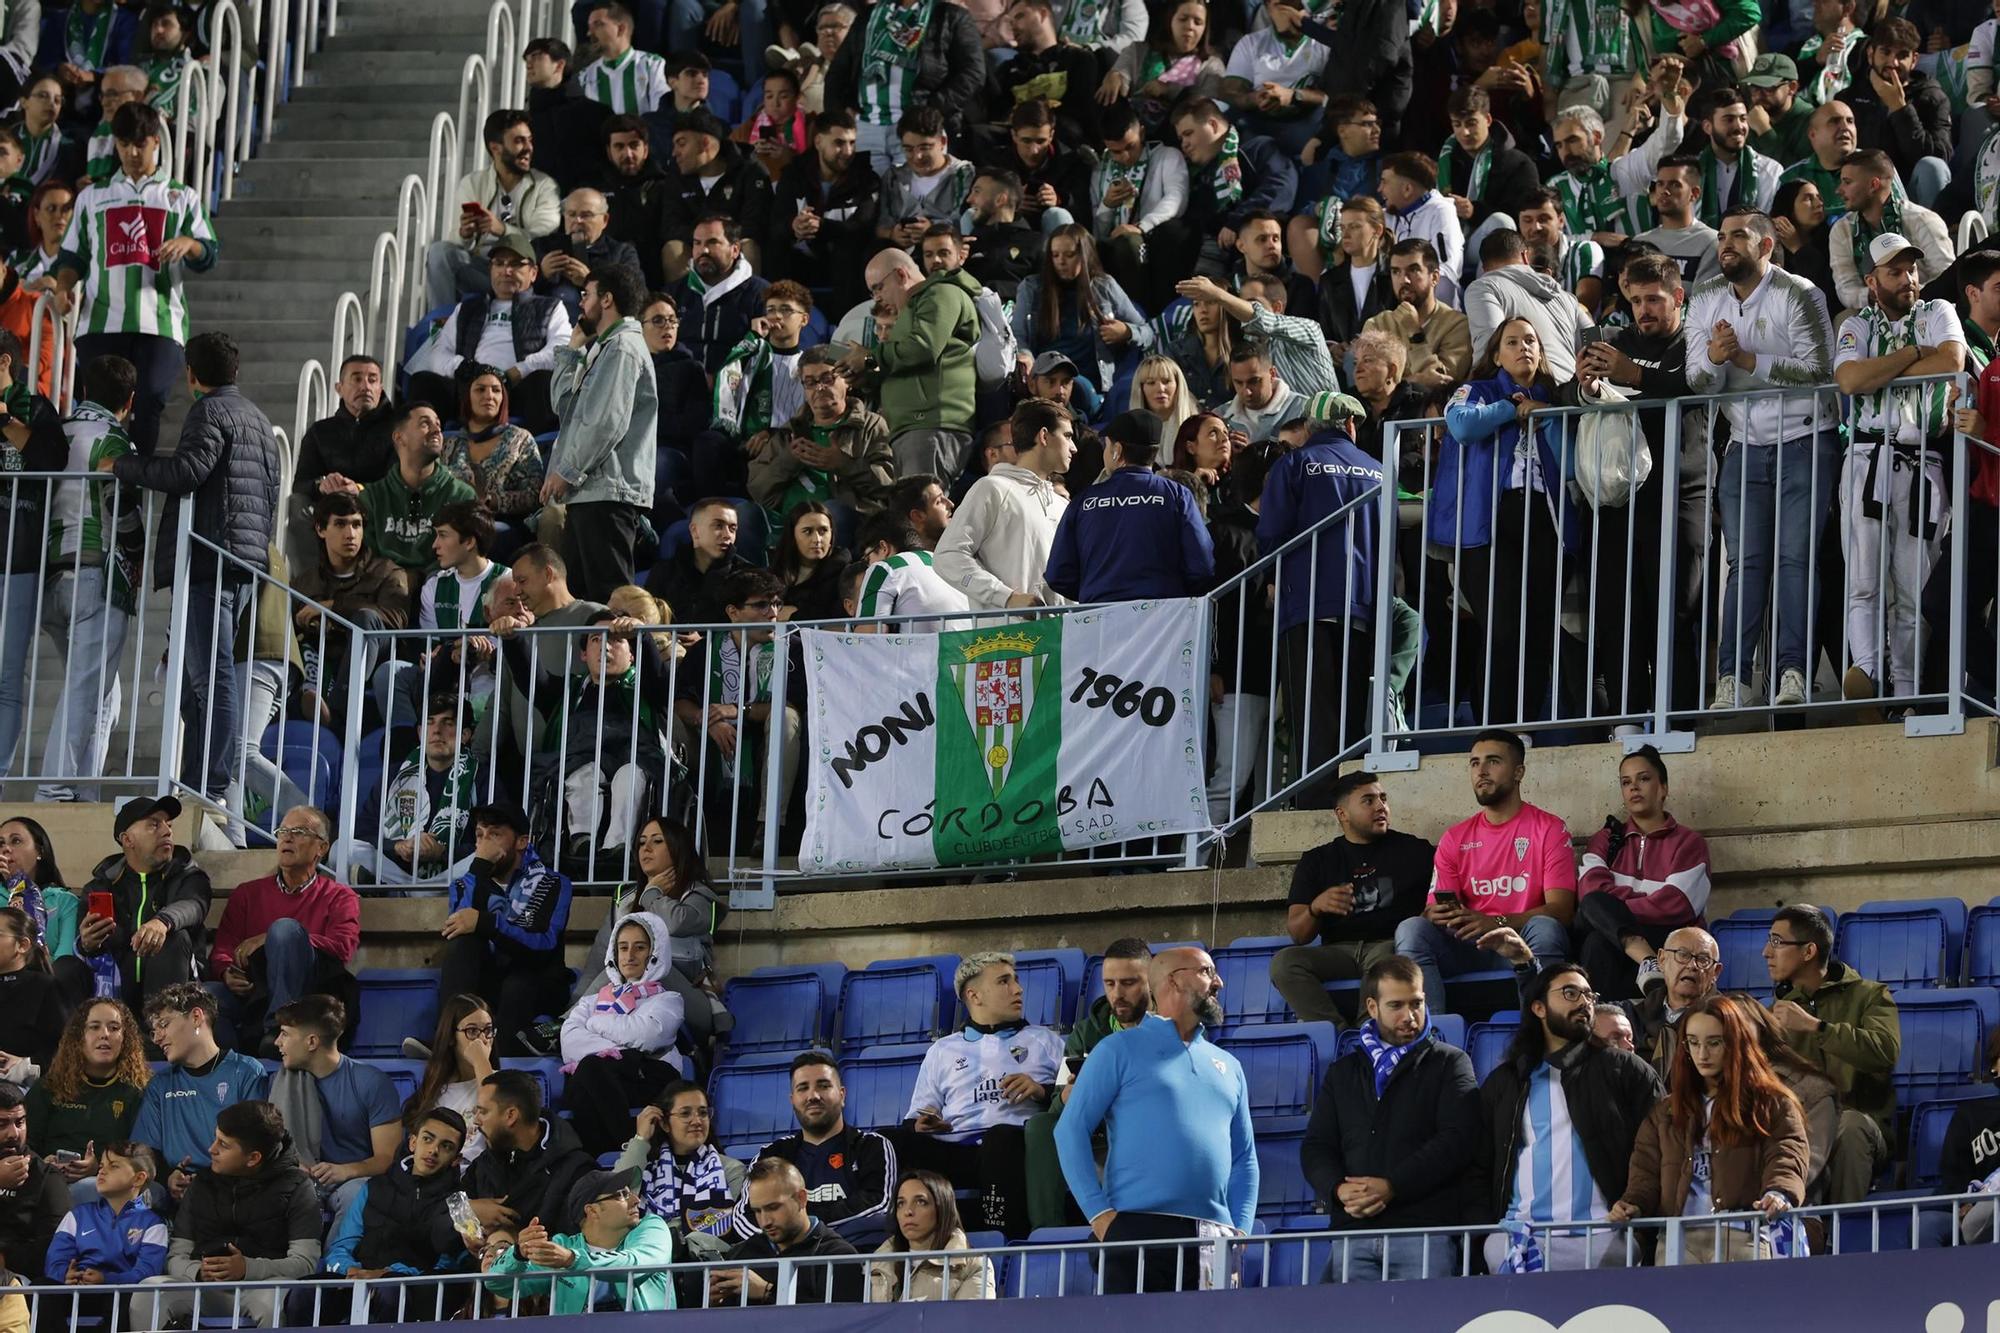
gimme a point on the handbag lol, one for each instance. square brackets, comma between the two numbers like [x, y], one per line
[1613, 458]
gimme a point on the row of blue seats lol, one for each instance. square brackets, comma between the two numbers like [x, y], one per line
[1903, 943]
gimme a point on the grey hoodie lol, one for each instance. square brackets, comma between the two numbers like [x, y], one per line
[1519, 291]
[609, 404]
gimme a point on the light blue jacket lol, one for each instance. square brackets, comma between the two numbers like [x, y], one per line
[609, 405]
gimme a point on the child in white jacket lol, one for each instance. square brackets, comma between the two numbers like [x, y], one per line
[618, 1041]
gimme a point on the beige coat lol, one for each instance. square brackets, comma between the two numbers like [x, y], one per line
[1446, 337]
[971, 1279]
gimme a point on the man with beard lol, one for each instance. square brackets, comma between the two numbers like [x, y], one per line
[584, 246]
[1764, 328]
[1508, 865]
[1678, 195]
[503, 931]
[720, 294]
[508, 194]
[1576, 262]
[921, 497]
[1779, 117]
[1055, 179]
[509, 328]
[1902, 111]
[634, 189]
[850, 1173]
[33, 1197]
[1892, 483]
[823, 215]
[1597, 192]
[1876, 206]
[1560, 1108]
[1831, 134]
[1181, 1164]
[711, 177]
[1733, 174]
[401, 509]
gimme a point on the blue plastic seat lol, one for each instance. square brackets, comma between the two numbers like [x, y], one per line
[1282, 1066]
[1953, 910]
[1282, 1190]
[889, 1006]
[1982, 946]
[407, 1075]
[547, 1071]
[752, 1098]
[1051, 1273]
[1740, 939]
[1069, 968]
[1487, 1044]
[1450, 1029]
[879, 1083]
[774, 1014]
[1927, 1130]
[946, 965]
[1248, 997]
[830, 975]
[1944, 1032]
[1899, 949]
[395, 1003]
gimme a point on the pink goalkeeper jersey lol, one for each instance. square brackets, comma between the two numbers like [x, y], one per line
[1504, 868]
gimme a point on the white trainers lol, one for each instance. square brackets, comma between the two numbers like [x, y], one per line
[1791, 688]
[1725, 693]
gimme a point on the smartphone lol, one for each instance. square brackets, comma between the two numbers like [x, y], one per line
[767, 132]
[1446, 898]
[101, 906]
[469, 208]
[64, 1156]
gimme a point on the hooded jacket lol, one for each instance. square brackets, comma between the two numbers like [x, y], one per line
[1419, 1133]
[227, 460]
[126, 1245]
[400, 1222]
[1662, 877]
[716, 315]
[1858, 1041]
[609, 405]
[271, 1215]
[642, 1017]
[535, 1181]
[1516, 290]
[1133, 535]
[648, 1245]
[928, 377]
[998, 541]
[178, 894]
[401, 521]
[1304, 488]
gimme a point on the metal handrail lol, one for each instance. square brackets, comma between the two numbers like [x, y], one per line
[385, 300]
[476, 77]
[503, 48]
[350, 330]
[315, 400]
[413, 238]
[225, 23]
[441, 172]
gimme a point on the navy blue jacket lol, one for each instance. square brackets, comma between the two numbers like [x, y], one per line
[1332, 578]
[1131, 536]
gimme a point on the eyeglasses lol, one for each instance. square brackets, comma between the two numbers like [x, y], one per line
[818, 381]
[1780, 942]
[760, 604]
[296, 831]
[694, 1113]
[1700, 962]
[662, 322]
[478, 1031]
[618, 1196]
[1696, 1045]
[1576, 994]
[1207, 973]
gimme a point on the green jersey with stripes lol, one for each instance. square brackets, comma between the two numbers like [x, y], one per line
[884, 102]
[906, 585]
[101, 158]
[80, 510]
[40, 150]
[114, 240]
[1907, 415]
[632, 85]
[1581, 258]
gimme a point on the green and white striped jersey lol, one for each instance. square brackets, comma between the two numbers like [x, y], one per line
[1909, 415]
[114, 235]
[883, 102]
[633, 85]
[79, 510]
[41, 151]
[906, 585]
[100, 159]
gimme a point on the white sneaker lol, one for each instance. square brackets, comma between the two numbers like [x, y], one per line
[1791, 688]
[1725, 693]
[1626, 731]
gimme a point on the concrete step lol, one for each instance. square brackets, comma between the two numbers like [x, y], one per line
[315, 210]
[328, 116]
[264, 295]
[418, 59]
[377, 179]
[233, 268]
[413, 145]
[403, 98]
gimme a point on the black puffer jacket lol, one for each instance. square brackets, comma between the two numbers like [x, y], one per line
[1609, 1093]
[404, 1219]
[952, 73]
[227, 460]
[272, 1216]
[178, 894]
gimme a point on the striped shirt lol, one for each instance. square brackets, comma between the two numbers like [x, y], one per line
[883, 102]
[113, 235]
[41, 151]
[632, 85]
[100, 159]
[1298, 349]
[1908, 415]
[1581, 258]
[79, 509]
[1552, 1180]
[906, 584]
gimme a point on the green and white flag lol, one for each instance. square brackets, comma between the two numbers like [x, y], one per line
[1005, 741]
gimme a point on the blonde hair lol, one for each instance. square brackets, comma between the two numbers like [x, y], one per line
[633, 600]
[1184, 405]
[1385, 345]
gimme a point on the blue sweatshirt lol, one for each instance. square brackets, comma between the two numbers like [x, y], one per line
[126, 1246]
[1133, 535]
[1331, 577]
[526, 915]
[1165, 1103]
[177, 1117]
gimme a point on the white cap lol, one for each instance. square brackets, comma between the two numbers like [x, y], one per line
[1888, 246]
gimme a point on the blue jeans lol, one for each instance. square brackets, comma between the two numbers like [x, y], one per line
[1772, 496]
[1440, 954]
[19, 594]
[882, 144]
[1928, 178]
[1362, 1257]
[90, 631]
[209, 742]
[753, 28]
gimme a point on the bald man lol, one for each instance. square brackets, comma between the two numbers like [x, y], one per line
[1182, 1164]
[928, 379]
[1832, 134]
[565, 258]
[1687, 968]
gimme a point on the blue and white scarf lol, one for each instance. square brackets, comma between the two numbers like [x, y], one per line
[1524, 1253]
[1383, 1056]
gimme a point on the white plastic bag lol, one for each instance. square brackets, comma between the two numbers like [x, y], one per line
[1613, 458]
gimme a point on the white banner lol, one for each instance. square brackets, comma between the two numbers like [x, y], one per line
[1006, 741]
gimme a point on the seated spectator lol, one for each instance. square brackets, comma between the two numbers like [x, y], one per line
[531, 1160]
[457, 1060]
[1482, 171]
[248, 1216]
[506, 197]
[1134, 535]
[177, 1118]
[1276, 78]
[1848, 1024]
[685, 405]
[167, 33]
[1160, 387]
[634, 187]
[1173, 60]
[1876, 205]
[1072, 306]
[1416, 211]
[683, 1176]
[1728, 1138]
[625, 79]
[425, 804]
[1395, 1126]
[498, 459]
[824, 211]
[1000, 250]
[721, 294]
[91, 1090]
[1259, 252]
[677, 889]
[1262, 402]
[1055, 178]
[687, 580]
[454, 598]
[687, 81]
[777, 1195]
[1643, 878]
[504, 926]
[31, 1003]
[33, 1195]
[781, 128]
[565, 260]
[723, 691]
[354, 584]
[49, 154]
[113, 1240]
[612, 1232]
[1351, 893]
[924, 184]
[352, 448]
[756, 389]
[1508, 865]
[402, 507]
[847, 1171]
[1230, 174]
[926, 1215]
[399, 1225]
[287, 935]
[509, 330]
[1047, 67]
[1805, 236]
[619, 1041]
[1297, 347]
[808, 562]
[831, 448]
[34, 883]
[996, 547]
[711, 178]
[1611, 1026]
[349, 1117]
[159, 906]
[562, 120]
[1912, 124]
[1970, 1156]
[900, 576]
[977, 1088]
[1438, 340]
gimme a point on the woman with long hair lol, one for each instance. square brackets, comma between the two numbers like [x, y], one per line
[461, 1058]
[1497, 503]
[809, 563]
[1074, 307]
[31, 1007]
[685, 1179]
[35, 884]
[49, 210]
[1176, 60]
[90, 1092]
[38, 128]
[1644, 877]
[1160, 387]
[926, 1219]
[1202, 446]
[1798, 214]
[1817, 1095]
[677, 889]
[500, 461]
[1730, 1137]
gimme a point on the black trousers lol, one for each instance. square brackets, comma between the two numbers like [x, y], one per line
[159, 361]
[1516, 598]
[601, 1093]
[1602, 924]
[598, 543]
[517, 991]
[997, 1166]
[1327, 669]
[1166, 1267]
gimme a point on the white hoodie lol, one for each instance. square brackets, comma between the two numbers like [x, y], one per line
[997, 543]
[641, 1016]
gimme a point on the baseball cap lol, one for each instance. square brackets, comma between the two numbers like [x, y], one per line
[591, 1187]
[143, 807]
[700, 121]
[1335, 407]
[1889, 245]
[1049, 362]
[515, 242]
[1770, 71]
[1137, 426]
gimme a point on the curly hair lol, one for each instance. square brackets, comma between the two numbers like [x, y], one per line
[64, 1080]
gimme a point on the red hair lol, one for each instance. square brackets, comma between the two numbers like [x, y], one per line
[1747, 1092]
[43, 191]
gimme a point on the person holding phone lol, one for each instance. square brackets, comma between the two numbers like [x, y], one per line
[158, 902]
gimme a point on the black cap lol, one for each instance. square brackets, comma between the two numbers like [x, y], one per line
[701, 120]
[501, 814]
[592, 1186]
[143, 807]
[1137, 426]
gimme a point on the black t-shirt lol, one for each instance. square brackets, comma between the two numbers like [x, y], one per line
[1401, 877]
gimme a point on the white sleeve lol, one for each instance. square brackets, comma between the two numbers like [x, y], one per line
[1847, 347]
[956, 558]
[437, 355]
[427, 602]
[928, 1094]
[1243, 61]
[1634, 172]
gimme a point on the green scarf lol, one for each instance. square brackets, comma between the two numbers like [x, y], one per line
[1892, 220]
[895, 32]
[1590, 201]
[725, 669]
[87, 37]
[1832, 79]
[448, 614]
[1711, 208]
[1475, 182]
[1083, 22]
[1603, 40]
[1135, 176]
[1225, 173]
[1326, 225]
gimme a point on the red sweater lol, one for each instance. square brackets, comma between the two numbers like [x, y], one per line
[1663, 877]
[329, 910]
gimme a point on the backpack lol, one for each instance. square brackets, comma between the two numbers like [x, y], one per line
[993, 355]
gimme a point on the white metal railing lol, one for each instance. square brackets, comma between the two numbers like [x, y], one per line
[386, 275]
[413, 237]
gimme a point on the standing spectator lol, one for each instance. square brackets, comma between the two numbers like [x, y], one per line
[177, 1119]
[1230, 174]
[1833, 1015]
[1644, 877]
[114, 1240]
[1901, 111]
[910, 55]
[90, 1093]
[778, 1206]
[1326, 586]
[159, 904]
[1559, 1108]
[504, 926]
[358, 1127]
[1763, 328]
[565, 260]
[602, 463]
[928, 378]
[720, 294]
[402, 508]
[1246, 636]
[1182, 1164]
[108, 263]
[927, 1221]
[684, 405]
[1371, 42]
[635, 190]
[1394, 1128]
[996, 547]
[531, 1160]
[1438, 336]
[824, 214]
[847, 1170]
[1354, 286]
[1678, 191]
[900, 576]
[1350, 894]
[1611, 1026]
[1508, 865]
[809, 564]
[507, 194]
[286, 936]
[227, 460]
[1134, 535]
[619, 1040]
[612, 1232]
[625, 79]
[1876, 206]
[922, 498]
[682, 1175]
[505, 325]
[1507, 288]
[33, 1195]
